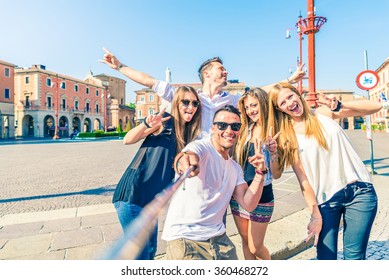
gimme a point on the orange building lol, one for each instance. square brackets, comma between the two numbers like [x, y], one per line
[7, 120]
[49, 103]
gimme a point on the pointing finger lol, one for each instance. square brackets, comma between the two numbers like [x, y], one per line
[107, 51]
[276, 136]
[271, 132]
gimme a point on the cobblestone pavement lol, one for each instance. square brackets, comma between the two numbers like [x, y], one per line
[67, 174]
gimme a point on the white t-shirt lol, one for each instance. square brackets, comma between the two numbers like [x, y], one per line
[197, 207]
[330, 171]
[209, 106]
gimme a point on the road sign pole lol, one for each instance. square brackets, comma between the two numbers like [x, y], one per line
[370, 137]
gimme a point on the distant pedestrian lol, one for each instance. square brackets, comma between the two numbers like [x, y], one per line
[342, 184]
[152, 166]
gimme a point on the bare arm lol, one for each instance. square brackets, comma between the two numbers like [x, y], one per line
[350, 108]
[276, 169]
[248, 197]
[293, 79]
[152, 125]
[315, 224]
[135, 75]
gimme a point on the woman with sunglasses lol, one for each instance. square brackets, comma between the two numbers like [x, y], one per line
[324, 156]
[252, 226]
[152, 167]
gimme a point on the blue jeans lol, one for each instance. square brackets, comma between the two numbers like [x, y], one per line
[357, 205]
[127, 213]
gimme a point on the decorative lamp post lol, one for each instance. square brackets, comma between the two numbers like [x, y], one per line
[300, 58]
[106, 84]
[56, 135]
[310, 26]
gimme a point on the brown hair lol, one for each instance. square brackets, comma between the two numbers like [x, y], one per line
[207, 65]
[240, 153]
[191, 130]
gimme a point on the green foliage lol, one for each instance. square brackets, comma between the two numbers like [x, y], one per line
[100, 134]
[119, 128]
[374, 127]
[131, 105]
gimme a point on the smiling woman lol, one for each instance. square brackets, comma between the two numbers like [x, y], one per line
[152, 167]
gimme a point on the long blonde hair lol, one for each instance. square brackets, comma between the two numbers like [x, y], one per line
[280, 121]
[190, 131]
[240, 153]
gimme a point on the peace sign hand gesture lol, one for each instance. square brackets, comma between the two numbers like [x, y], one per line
[258, 159]
[271, 144]
[156, 120]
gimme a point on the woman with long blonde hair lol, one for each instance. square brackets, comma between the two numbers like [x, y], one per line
[336, 183]
[252, 226]
[152, 167]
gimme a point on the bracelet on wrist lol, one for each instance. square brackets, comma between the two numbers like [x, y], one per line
[338, 107]
[261, 172]
[145, 123]
[120, 67]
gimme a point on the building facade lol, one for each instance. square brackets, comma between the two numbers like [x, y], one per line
[7, 117]
[381, 93]
[118, 113]
[49, 104]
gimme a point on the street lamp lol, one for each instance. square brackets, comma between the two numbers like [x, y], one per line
[300, 57]
[106, 87]
[309, 26]
[56, 135]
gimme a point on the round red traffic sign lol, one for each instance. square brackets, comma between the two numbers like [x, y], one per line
[367, 79]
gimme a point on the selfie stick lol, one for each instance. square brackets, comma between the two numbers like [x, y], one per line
[138, 232]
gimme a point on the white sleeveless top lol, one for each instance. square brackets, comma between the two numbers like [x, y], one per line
[330, 171]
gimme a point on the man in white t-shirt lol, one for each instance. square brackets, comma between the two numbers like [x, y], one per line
[194, 227]
[213, 77]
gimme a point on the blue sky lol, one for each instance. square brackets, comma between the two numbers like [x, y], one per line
[150, 35]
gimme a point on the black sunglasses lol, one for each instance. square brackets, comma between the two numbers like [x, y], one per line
[186, 102]
[223, 125]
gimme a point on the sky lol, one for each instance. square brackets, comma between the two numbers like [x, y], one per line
[67, 36]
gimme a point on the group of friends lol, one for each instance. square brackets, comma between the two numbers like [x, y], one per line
[239, 144]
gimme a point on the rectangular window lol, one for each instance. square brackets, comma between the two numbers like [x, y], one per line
[7, 72]
[63, 85]
[48, 102]
[97, 108]
[6, 93]
[76, 105]
[64, 104]
[76, 88]
[87, 90]
[151, 98]
[151, 111]
[27, 80]
[87, 107]
[48, 82]
[97, 93]
[139, 114]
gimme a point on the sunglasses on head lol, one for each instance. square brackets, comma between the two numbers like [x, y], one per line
[223, 125]
[186, 102]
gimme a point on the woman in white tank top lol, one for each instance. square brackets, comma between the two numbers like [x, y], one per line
[323, 153]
